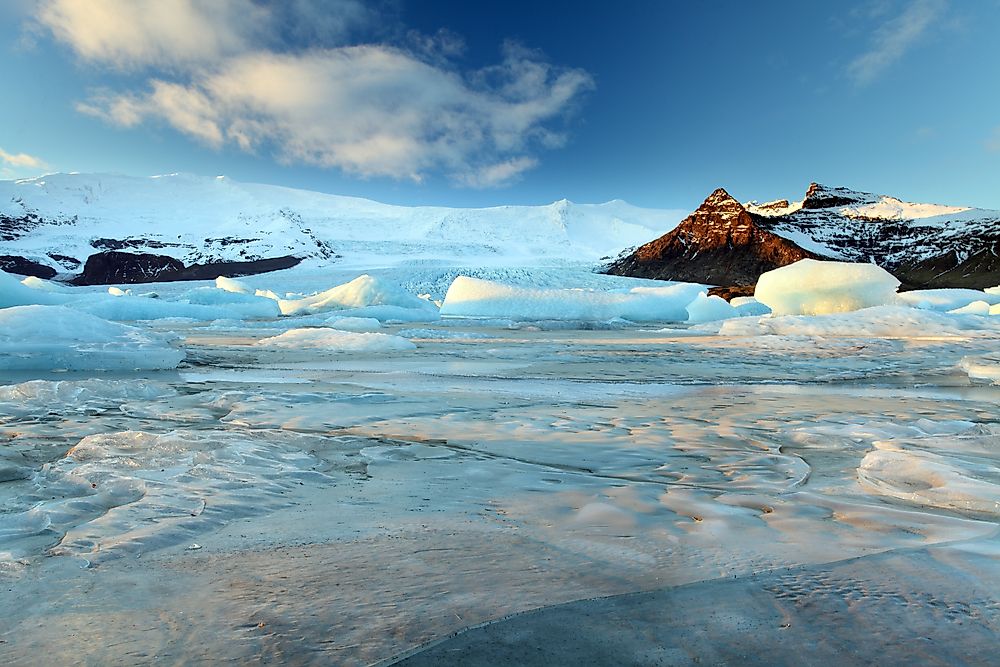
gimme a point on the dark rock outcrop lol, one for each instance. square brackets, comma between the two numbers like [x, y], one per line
[116, 267]
[730, 292]
[721, 243]
[113, 266]
[25, 267]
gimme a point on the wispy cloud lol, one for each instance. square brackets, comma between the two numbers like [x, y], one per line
[893, 38]
[21, 160]
[288, 80]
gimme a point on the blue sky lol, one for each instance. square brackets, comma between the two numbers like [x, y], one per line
[493, 102]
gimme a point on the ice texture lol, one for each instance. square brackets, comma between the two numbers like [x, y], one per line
[360, 324]
[55, 337]
[337, 341]
[473, 297]
[813, 287]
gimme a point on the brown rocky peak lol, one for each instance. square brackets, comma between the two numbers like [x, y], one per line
[720, 201]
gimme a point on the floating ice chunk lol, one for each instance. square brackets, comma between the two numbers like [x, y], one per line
[747, 306]
[14, 293]
[40, 397]
[812, 287]
[981, 370]
[45, 285]
[880, 322]
[118, 291]
[242, 304]
[946, 299]
[130, 308]
[360, 324]
[709, 309]
[268, 294]
[473, 297]
[234, 286]
[974, 308]
[336, 341]
[363, 291]
[55, 337]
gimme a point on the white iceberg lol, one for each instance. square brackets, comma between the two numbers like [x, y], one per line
[813, 287]
[945, 300]
[362, 292]
[879, 322]
[473, 297]
[58, 338]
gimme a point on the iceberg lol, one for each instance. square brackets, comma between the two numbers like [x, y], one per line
[709, 309]
[473, 297]
[364, 291]
[41, 337]
[813, 287]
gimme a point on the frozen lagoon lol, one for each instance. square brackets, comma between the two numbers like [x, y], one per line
[784, 493]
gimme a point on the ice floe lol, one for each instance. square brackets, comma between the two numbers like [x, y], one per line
[59, 338]
[813, 287]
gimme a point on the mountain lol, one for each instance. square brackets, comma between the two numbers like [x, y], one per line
[181, 226]
[924, 245]
[719, 244]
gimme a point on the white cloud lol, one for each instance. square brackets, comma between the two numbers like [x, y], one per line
[894, 38]
[136, 33]
[281, 78]
[21, 160]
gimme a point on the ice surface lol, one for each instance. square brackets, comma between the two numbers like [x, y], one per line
[506, 464]
[709, 309]
[360, 324]
[55, 337]
[813, 287]
[337, 341]
[473, 297]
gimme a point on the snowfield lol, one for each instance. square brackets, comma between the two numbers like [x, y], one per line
[202, 220]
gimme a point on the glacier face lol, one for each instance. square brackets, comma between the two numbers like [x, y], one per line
[62, 217]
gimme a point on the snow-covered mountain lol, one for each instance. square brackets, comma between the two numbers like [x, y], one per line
[60, 220]
[925, 245]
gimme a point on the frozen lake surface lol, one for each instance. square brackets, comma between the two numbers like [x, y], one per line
[307, 506]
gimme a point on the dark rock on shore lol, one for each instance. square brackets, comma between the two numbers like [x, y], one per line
[25, 267]
[732, 291]
[113, 266]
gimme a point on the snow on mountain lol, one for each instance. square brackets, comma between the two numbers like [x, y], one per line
[61, 219]
[726, 243]
[858, 226]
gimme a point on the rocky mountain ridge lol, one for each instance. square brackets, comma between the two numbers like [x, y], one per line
[924, 245]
